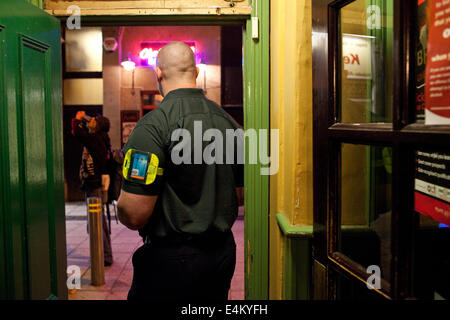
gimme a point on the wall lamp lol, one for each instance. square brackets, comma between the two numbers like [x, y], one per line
[130, 66]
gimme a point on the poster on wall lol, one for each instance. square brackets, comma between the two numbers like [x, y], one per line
[421, 57]
[128, 120]
[437, 92]
[357, 56]
[432, 186]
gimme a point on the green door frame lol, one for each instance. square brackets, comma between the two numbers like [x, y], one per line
[256, 116]
[37, 3]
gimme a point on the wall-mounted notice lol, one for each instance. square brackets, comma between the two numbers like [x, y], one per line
[437, 90]
[128, 120]
[432, 186]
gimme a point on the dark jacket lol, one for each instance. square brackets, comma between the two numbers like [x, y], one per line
[95, 154]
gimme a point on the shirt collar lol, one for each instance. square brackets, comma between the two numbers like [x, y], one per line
[185, 92]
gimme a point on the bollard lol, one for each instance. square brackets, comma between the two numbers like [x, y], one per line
[95, 216]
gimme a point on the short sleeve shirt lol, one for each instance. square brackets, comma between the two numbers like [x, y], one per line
[198, 146]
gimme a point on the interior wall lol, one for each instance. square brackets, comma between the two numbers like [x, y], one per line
[111, 86]
[291, 190]
[207, 40]
[115, 94]
[117, 82]
[83, 92]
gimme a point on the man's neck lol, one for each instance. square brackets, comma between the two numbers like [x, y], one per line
[168, 88]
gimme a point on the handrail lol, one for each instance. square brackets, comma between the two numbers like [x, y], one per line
[293, 231]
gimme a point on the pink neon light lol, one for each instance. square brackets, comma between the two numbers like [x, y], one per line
[149, 55]
[149, 51]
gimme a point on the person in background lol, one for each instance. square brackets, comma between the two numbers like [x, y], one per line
[93, 135]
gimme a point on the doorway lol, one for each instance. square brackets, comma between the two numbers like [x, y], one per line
[43, 32]
[109, 71]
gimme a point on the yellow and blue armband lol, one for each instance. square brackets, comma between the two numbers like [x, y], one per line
[141, 167]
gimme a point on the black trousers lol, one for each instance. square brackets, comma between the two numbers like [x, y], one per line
[192, 270]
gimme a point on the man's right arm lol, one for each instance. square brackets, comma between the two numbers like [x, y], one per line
[137, 201]
[135, 210]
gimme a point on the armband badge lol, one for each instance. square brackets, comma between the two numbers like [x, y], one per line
[141, 167]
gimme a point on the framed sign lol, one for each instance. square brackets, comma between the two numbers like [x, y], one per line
[150, 101]
[128, 120]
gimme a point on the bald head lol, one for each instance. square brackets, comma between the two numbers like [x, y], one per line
[177, 62]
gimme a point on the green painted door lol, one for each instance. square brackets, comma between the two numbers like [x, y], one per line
[32, 221]
[2, 175]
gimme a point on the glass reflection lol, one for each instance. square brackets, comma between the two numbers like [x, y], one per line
[366, 206]
[366, 61]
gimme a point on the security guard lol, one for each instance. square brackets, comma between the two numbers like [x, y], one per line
[183, 204]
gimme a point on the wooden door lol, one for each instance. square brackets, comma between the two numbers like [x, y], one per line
[32, 211]
[370, 139]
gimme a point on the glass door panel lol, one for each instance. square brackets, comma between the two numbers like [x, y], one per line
[431, 258]
[366, 71]
[365, 221]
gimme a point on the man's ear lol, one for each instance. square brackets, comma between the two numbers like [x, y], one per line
[197, 72]
[159, 73]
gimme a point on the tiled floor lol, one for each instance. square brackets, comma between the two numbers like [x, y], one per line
[124, 242]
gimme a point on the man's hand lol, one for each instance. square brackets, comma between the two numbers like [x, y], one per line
[80, 115]
[135, 210]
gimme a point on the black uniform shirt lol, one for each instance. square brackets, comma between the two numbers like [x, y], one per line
[193, 198]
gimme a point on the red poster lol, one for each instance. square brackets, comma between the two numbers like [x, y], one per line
[438, 64]
[435, 209]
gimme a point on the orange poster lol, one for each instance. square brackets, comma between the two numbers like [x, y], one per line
[438, 64]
